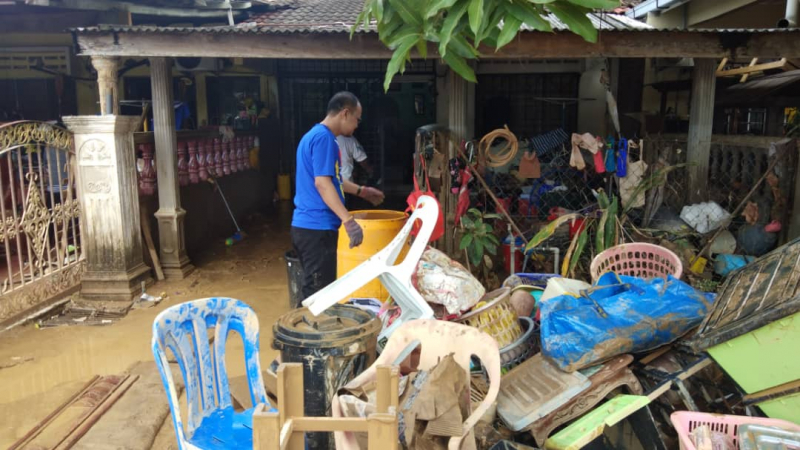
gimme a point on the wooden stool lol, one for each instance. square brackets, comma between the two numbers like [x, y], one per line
[285, 429]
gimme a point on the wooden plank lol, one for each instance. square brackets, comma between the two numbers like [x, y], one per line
[722, 64]
[266, 429]
[613, 44]
[701, 117]
[322, 424]
[383, 434]
[744, 77]
[753, 68]
[148, 240]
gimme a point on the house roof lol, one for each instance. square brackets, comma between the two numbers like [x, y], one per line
[338, 16]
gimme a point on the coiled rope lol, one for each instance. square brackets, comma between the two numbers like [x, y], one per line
[503, 156]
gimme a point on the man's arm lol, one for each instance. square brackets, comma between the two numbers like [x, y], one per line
[369, 194]
[331, 198]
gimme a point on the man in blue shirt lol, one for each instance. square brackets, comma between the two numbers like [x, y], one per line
[319, 195]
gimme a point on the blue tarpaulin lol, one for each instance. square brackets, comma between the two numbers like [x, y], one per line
[620, 314]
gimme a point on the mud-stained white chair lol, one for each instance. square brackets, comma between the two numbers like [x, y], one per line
[396, 278]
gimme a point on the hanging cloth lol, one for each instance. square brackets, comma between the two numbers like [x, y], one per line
[622, 158]
[627, 185]
[529, 166]
[585, 140]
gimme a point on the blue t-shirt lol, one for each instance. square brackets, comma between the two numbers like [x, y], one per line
[317, 156]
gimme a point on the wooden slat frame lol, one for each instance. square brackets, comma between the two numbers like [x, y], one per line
[285, 429]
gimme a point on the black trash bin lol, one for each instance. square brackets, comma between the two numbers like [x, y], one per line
[333, 347]
[294, 273]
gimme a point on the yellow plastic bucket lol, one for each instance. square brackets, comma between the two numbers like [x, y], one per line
[380, 227]
[284, 187]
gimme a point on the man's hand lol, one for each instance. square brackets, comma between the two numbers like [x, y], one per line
[354, 232]
[372, 195]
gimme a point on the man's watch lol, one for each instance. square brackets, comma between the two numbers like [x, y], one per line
[358, 192]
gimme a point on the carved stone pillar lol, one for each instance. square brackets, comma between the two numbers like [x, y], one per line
[107, 83]
[109, 198]
[170, 215]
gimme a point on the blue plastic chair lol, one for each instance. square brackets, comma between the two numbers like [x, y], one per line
[183, 329]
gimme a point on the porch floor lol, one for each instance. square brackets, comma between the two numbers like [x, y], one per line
[58, 361]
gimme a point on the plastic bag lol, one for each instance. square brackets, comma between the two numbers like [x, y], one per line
[621, 314]
[442, 281]
[704, 217]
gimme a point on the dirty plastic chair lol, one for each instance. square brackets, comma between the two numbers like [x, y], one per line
[437, 339]
[183, 330]
[395, 277]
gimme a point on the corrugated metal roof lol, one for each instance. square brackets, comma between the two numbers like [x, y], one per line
[342, 27]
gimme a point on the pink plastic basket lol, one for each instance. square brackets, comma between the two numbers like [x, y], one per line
[686, 421]
[638, 260]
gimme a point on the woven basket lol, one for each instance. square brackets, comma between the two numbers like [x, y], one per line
[638, 260]
[496, 317]
[523, 348]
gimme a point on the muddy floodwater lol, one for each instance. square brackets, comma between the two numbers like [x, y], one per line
[41, 368]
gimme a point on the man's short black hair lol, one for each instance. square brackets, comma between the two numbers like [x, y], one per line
[342, 100]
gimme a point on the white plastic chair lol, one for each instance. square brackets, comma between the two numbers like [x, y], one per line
[396, 278]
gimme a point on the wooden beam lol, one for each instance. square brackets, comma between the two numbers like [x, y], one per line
[752, 68]
[620, 44]
[745, 76]
[701, 118]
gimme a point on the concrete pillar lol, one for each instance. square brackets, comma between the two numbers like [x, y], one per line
[170, 215]
[109, 198]
[107, 83]
[701, 120]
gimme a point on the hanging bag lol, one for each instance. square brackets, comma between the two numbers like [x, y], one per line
[438, 230]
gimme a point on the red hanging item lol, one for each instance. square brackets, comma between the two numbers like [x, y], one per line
[438, 230]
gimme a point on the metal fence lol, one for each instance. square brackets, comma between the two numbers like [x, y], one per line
[40, 249]
[735, 167]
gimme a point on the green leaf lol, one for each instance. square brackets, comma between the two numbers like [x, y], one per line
[407, 13]
[475, 15]
[511, 26]
[575, 18]
[364, 13]
[474, 255]
[460, 66]
[465, 241]
[602, 200]
[583, 239]
[548, 230]
[379, 10]
[422, 48]
[463, 48]
[399, 57]
[400, 36]
[541, 2]
[437, 6]
[450, 22]
[490, 247]
[528, 14]
[611, 223]
[467, 222]
[596, 4]
[492, 15]
[478, 244]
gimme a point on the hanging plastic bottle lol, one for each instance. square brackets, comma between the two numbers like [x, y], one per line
[611, 159]
[599, 164]
[622, 158]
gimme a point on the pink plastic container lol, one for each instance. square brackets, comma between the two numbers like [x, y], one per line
[686, 421]
[638, 260]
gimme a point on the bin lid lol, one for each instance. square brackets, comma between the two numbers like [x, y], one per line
[336, 326]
